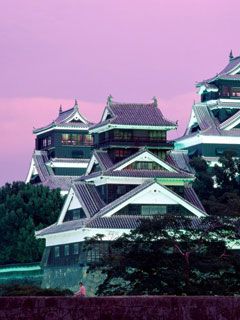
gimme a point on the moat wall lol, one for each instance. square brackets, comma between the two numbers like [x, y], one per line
[104, 308]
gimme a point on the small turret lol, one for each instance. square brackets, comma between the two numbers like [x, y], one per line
[109, 99]
[60, 109]
[155, 102]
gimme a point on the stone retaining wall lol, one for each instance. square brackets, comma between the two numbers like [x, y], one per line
[120, 308]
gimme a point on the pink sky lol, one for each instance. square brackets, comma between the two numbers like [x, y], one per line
[55, 51]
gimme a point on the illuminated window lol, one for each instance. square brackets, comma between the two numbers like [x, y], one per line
[88, 140]
[44, 142]
[120, 153]
[236, 92]
[73, 139]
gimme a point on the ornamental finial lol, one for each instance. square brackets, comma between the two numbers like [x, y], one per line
[76, 104]
[60, 109]
[109, 99]
[155, 102]
[231, 55]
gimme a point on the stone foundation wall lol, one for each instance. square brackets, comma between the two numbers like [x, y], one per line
[68, 277]
[120, 308]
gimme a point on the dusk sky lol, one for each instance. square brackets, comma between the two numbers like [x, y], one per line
[54, 51]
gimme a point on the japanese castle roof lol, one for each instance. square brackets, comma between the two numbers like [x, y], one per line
[98, 218]
[88, 197]
[103, 158]
[133, 114]
[177, 161]
[46, 174]
[210, 124]
[66, 119]
[189, 196]
[228, 73]
[116, 222]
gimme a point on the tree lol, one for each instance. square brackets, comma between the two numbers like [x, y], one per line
[218, 188]
[171, 256]
[25, 208]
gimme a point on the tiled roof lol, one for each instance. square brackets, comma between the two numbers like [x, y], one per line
[63, 227]
[148, 174]
[59, 182]
[64, 115]
[209, 123]
[103, 158]
[179, 159]
[61, 120]
[190, 196]
[233, 64]
[136, 154]
[147, 114]
[132, 222]
[204, 117]
[40, 158]
[115, 222]
[230, 120]
[88, 197]
[89, 176]
[230, 77]
[69, 160]
[125, 197]
[119, 222]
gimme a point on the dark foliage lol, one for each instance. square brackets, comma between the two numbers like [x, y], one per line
[27, 290]
[23, 209]
[219, 187]
[171, 256]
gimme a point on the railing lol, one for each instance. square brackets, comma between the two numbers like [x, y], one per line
[134, 142]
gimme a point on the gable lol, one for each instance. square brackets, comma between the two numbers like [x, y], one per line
[93, 166]
[106, 114]
[76, 117]
[153, 194]
[71, 203]
[145, 161]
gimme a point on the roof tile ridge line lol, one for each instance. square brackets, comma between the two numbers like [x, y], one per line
[96, 193]
[81, 200]
[132, 192]
[92, 198]
[176, 194]
[75, 110]
[48, 126]
[192, 189]
[232, 118]
[46, 228]
[102, 166]
[64, 111]
[40, 169]
[132, 103]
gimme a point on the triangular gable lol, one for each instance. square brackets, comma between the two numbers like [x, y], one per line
[152, 194]
[107, 114]
[71, 202]
[76, 116]
[93, 161]
[144, 156]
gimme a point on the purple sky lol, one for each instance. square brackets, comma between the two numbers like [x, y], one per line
[54, 51]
